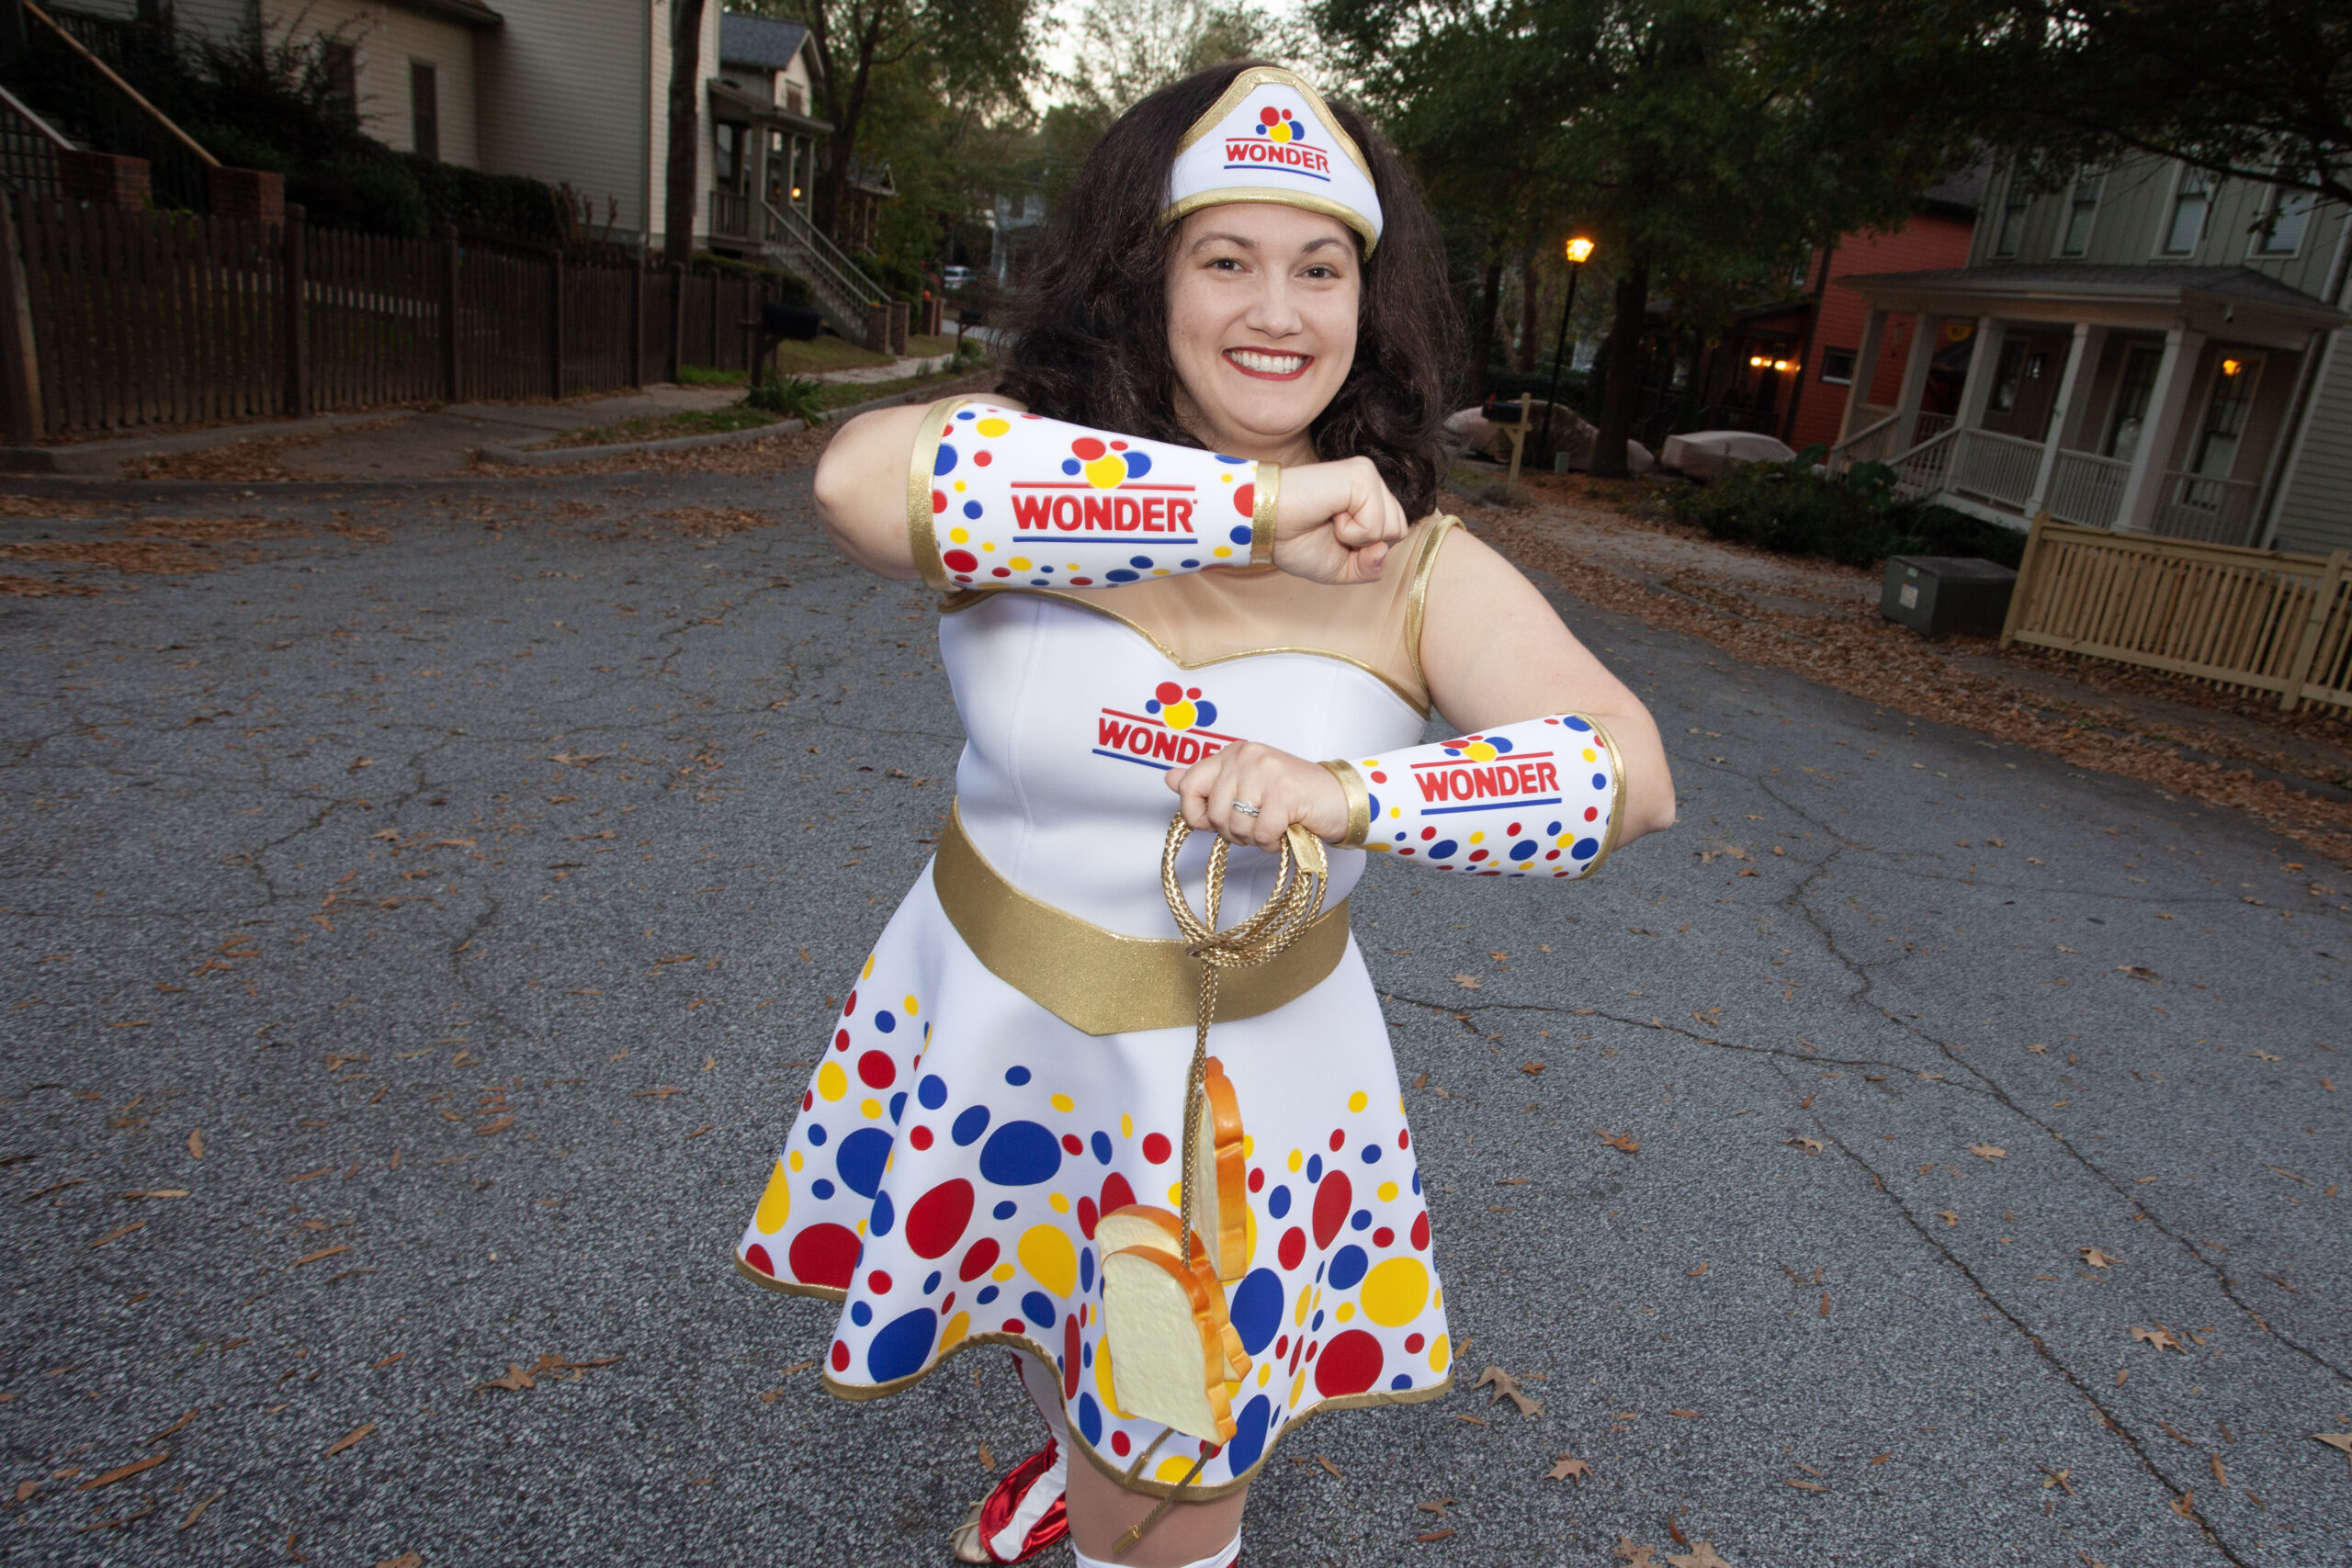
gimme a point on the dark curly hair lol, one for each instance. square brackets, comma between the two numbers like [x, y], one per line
[1089, 331]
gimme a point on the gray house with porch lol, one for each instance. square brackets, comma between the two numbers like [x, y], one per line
[2146, 349]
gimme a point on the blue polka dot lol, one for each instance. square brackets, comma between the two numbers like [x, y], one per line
[1361, 1220]
[968, 414]
[1141, 563]
[1372, 1154]
[1038, 1308]
[1208, 712]
[1314, 1169]
[1086, 1268]
[885, 1215]
[860, 1314]
[1315, 1325]
[1584, 848]
[1318, 1270]
[1229, 462]
[1523, 850]
[1576, 723]
[1070, 465]
[1119, 574]
[1256, 1310]
[1151, 706]
[1249, 1439]
[902, 1346]
[1444, 849]
[1500, 742]
[971, 509]
[970, 1125]
[1020, 1153]
[815, 1135]
[1139, 463]
[1190, 565]
[1278, 1202]
[932, 1093]
[1402, 1380]
[1552, 828]
[1348, 1268]
[886, 1021]
[932, 1283]
[898, 1107]
[1601, 781]
[1416, 1183]
[987, 1293]
[1006, 1209]
[1089, 1420]
[1375, 806]
[945, 461]
[821, 1188]
[1102, 1145]
[860, 1159]
[1241, 536]
[1016, 1076]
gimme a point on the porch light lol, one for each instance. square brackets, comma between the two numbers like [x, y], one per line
[1756, 361]
[1784, 365]
[1580, 250]
[795, 193]
[2231, 367]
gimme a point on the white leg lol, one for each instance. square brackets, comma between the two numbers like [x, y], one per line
[1221, 1558]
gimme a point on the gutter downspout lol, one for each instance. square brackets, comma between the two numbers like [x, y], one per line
[645, 130]
[2299, 414]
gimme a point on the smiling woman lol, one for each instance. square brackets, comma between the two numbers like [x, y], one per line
[1181, 560]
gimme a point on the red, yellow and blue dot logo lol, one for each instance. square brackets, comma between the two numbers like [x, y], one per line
[1280, 124]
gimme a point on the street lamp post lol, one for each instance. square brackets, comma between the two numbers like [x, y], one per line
[1580, 252]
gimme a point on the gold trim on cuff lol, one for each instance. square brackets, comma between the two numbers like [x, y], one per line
[1104, 981]
[922, 542]
[1358, 803]
[1616, 794]
[1266, 496]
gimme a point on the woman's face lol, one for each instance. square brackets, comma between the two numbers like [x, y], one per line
[1262, 323]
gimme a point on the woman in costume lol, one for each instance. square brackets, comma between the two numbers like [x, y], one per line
[1182, 574]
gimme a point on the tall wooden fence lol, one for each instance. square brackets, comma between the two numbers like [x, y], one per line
[2253, 619]
[148, 319]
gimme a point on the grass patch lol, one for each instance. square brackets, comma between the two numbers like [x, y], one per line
[661, 426]
[824, 352]
[841, 395]
[703, 376]
[928, 345]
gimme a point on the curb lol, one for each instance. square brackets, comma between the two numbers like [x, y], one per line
[518, 456]
[103, 459]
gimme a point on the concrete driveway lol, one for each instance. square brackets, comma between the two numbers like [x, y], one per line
[417, 934]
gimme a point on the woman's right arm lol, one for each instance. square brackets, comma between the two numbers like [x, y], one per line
[1333, 522]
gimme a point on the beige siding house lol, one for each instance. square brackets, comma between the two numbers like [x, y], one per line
[2145, 348]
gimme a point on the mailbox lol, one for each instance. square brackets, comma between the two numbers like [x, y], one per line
[1947, 595]
[778, 319]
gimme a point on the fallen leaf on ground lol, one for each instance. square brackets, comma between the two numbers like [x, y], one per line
[2341, 1441]
[177, 1425]
[1433, 1535]
[118, 1232]
[1703, 1558]
[2159, 1336]
[1686, 1415]
[2221, 1476]
[1467, 982]
[1810, 1145]
[198, 1512]
[1439, 1507]
[2098, 1259]
[196, 1144]
[349, 1438]
[1507, 1387]
[2058, 1478]
[405, 1560]
[123, 1472]
[517, 1380]
[314, 1257]
[987, 1459]
[1694, 1273]
[1567, 1467]
[1988, 1151]
[1948, 1217]
[1625, 1141]
[2185, 1505]
[1332, 1469]
[1634, 1556]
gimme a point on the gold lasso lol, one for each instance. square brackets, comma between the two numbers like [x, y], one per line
[1302, 876]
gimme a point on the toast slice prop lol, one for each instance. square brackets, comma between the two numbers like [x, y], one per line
[1221, 1186]
[1166, 1327]
[1156, 1230]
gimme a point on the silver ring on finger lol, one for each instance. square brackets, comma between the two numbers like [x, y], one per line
[1246, 809]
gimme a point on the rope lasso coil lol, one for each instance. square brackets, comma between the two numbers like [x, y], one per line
[1302, 878]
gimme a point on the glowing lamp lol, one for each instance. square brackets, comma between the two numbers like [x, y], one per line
[2231, 367]
[795, 193]
[1580, 250]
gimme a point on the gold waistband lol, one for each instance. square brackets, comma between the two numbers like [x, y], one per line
[1100, 981]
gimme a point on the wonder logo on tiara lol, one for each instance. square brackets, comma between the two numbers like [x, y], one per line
[1278, 144]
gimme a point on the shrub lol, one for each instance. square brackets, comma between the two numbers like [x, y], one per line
[1851, 518]
[797, 397]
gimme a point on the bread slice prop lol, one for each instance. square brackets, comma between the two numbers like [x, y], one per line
[1166, 1326]
[1221, 1188]
[1155, 1230]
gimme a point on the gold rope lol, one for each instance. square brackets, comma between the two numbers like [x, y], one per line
[1302, 876]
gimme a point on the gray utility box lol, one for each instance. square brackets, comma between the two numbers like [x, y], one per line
[1947, 595]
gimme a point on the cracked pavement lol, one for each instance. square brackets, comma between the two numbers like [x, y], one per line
[474, 897]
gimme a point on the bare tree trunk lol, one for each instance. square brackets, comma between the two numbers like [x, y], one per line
[686, 132]
[1490, 301]
[1531, 311]
[1621, 363]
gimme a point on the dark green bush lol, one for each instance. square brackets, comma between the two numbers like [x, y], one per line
[376, 195]
[1850, 518]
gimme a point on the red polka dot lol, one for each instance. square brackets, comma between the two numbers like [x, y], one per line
[1420, 1233]
[849, 1006]
[921, 1138]
[948, 1305]
[979, 1260]
[1413, 1343]
[1070, 1145]
[1086, 447]
[937, 1220]
[983, 459]
[1293, 1248]
[1353, 1366]
[960, 560]
[1087, 1217]
[841, 1039]
[1119, 1444]
[1001, 571]
[757, 1257]
[1333, 1198]
[1168, 691]
[1192, 690]
[938, 502]
[1081, 582]
[824, 1254]
[1258, 1179]
[1404, 1138]
[1384, 1237]
[1591, 812]
[1551, 854]
[876, 1070]
[807, 1099]
[1513, 830]
[1156, 1148]
[1116, 1193]
[1339, 1140]
[1013, 1326]
[1070, 1356]
[1477, 854]
[1281, 1346]
[1429, 832]
[1245, 500]
[840, 1356]
[1379, 777]
[878, 1282]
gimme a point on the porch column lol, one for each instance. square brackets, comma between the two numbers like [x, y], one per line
[2167, 400]
[2073, 383]
[1858, 391]
[1984, 364]
[1915, 383]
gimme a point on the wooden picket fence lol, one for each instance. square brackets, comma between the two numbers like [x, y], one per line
[2257, 620]
[148, 319]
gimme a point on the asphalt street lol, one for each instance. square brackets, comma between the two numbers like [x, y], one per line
[418, 934]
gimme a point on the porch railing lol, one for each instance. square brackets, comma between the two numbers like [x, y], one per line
[2087, 490]
[28, 150]
[2193, 506]
[841, 289]
[1922, 469]
[2001, 468]
[730, 215]
[1874, 442]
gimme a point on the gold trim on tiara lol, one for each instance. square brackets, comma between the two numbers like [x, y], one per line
[1258, 76]
[1226, 195]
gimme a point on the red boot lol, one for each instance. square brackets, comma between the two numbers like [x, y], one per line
[1023, 1517]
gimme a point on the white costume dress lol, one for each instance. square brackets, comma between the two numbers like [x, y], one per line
[959, 1141]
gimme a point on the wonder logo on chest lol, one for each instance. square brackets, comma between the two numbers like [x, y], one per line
[1171, 731]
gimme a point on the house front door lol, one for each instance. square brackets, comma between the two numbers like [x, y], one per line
[2131, 394]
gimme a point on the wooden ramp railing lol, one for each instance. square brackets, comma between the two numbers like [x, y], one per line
[2255, 619]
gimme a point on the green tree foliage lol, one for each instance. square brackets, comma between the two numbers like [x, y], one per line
[1687, 137]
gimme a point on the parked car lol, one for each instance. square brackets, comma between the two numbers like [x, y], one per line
[955, 277]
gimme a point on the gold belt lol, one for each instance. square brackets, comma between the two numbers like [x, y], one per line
[1100, 981]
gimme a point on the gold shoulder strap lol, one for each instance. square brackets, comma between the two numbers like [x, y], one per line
[1418, 594]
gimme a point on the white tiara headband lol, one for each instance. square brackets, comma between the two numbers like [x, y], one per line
[1271, 138]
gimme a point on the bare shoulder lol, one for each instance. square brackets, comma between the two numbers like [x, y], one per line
[1466, 568]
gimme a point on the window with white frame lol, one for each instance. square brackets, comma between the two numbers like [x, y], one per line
[2192, 200]
[2082, 210]
[2012, 234]
[2285, 215]
[1837, 366]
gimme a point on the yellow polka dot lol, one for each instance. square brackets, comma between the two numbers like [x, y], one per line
[1102, 1383]
[1396, 811]
[1590, 755]
[986, 548]
[911, 1006]
[1297, 1387]
[1358, 1100]
[1346, 1313]
[1248, 1147]
[1059, 1202]
[992, 426]
[1388, 1192]
[1064, 1102]
[1306, 1304]
[867, 973]
[1174, 1468]
[1162, 571]
[959, 485]
[953, 1335]
[1440, 1354]
[832, 1082]
[1393, 1293]
[1265, 1374]
[776, 1203]
[1221, 552]
[870, 1109]
[1226, 478]
[860, 1227]
[1436, 1297]
[1127, 1125]
[1175, 1194]
[1249, 1235]
[796, 1161]
[1045, 1252]
[1477, 838]
[1001, 1273]
[959, 537]
[1296, 1159]
[1019, 563]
